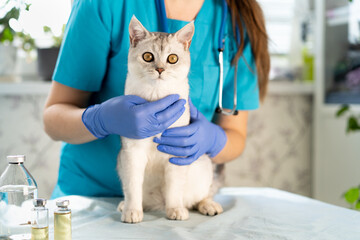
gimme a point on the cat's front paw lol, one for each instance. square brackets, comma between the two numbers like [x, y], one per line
[177, 213]
[209, 207]
[132, 215]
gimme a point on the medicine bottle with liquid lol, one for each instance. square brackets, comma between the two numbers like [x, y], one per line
[307, 52]
[17, 191]
[40, 220]
[62, 221]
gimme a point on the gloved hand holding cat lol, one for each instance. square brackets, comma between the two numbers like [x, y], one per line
[192, 141]
[132, 116]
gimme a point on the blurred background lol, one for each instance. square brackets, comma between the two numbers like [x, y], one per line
[304, 138]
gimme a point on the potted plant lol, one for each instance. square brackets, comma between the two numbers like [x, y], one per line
[47, 56]
[8, 50]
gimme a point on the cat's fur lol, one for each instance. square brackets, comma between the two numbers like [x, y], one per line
[150, 181]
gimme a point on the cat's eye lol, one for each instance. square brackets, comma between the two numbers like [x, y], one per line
[148, 57]
[172, 58]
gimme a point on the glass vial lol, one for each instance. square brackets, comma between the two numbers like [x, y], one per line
[40, 220]
[62, 221]
[17, 191]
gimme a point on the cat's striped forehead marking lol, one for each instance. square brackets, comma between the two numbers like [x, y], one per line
[162, 40]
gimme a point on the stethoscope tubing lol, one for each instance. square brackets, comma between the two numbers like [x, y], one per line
[221, 48]
[160, 6]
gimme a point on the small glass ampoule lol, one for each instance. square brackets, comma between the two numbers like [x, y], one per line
[62, 221]
[40, 220]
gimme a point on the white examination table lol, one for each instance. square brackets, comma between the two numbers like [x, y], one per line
[249, 213]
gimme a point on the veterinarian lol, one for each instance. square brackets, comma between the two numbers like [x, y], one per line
[86, 108]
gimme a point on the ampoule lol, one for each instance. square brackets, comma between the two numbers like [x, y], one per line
[40, 220]
[62, 221]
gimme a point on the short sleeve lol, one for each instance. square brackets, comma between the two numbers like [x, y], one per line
[82, 60]
[247, 84]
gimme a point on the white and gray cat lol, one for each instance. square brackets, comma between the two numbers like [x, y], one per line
[150, 181]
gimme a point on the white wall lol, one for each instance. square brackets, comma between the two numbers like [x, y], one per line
[21, 132]
[278, 150]
[337, 164]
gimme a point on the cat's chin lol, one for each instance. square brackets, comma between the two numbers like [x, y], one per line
[159, 78]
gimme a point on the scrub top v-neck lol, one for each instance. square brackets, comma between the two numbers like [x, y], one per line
[93, 57]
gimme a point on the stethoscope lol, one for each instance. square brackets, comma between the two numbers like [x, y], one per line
[160, 4]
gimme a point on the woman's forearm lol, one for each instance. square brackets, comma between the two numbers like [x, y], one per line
[63, 122]
[235, 127]
[233, 148]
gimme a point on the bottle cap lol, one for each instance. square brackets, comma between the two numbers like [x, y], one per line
[16, 158]
[62, 203]
[39, 202]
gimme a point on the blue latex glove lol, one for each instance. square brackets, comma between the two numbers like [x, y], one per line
[192, 141]
[132, 116]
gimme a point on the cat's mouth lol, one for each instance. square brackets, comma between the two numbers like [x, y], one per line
[160, 77]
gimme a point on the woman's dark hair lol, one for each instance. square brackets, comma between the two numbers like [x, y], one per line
[248, 13]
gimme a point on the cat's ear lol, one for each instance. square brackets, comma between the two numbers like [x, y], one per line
[185, 34]
[137, 31]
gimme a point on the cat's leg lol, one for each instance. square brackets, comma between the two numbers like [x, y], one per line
[131, 170]
[209, 207]
[200, 192]
[175, 180]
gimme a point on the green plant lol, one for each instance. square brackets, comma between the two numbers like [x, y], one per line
[353, 120]
[27, 42]
[7, 34]
[56, 39]
[352, 195]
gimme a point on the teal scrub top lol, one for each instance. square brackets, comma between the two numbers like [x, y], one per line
[93, 57]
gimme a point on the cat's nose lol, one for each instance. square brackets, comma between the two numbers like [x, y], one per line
[159, 70]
